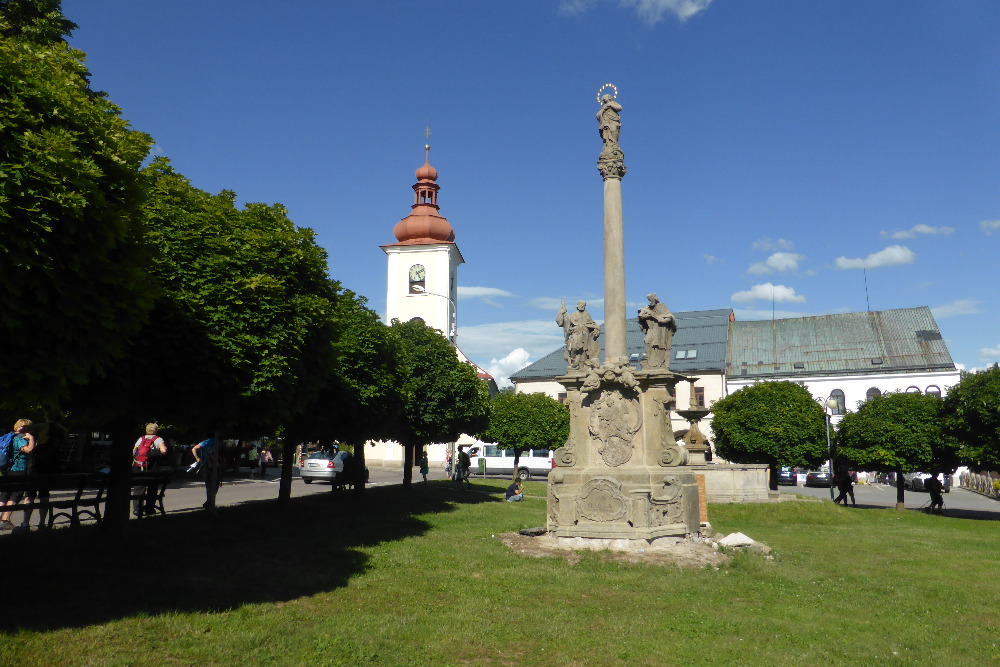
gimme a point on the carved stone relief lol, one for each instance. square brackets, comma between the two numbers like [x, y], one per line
[615, 418]
[665, 503]
[601, 499]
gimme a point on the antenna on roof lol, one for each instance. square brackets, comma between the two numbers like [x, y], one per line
[867, 304]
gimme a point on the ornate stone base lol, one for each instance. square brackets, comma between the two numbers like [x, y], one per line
[621, 474]
[622, 504]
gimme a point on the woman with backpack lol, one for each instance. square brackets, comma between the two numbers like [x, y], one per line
[143, 452]
[20, 466]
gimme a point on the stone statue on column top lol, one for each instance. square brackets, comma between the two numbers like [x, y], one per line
[581, 334]
[659, 326]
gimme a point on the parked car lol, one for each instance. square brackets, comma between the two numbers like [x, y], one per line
[787, 477]
[536, 462]
[915, 481]
[819, 478]
[326, 466]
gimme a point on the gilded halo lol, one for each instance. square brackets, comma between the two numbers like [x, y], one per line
[605, 87]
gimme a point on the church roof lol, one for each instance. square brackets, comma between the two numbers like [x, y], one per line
[425, 224]
[881, 341]
[702, 331]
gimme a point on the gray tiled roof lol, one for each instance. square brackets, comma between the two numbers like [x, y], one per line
[705, 331]
[884, 341]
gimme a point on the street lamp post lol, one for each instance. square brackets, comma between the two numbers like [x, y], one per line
[454, 309]
[831, 404]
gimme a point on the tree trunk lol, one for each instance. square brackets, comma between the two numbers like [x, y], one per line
[116, 510]
[899, 491]
[359, 463]
[287, 463]
[408, 464]
[517, 459]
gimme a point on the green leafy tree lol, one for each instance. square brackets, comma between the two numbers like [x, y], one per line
[972, 416]
[74, 288]
[443, 397]
[241, 337]
[519, 422]
[777, 423]
[362, 398]
[897, 432]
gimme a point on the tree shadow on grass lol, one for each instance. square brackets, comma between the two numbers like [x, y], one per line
[196, 562]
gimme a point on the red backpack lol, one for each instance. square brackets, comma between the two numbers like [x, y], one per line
[141, 457]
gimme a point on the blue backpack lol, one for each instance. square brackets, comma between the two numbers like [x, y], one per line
[6, 450]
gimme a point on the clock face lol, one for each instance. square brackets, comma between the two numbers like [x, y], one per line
[417, 272]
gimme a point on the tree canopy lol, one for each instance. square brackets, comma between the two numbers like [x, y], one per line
[777, 423]
[897, 432]
[972, 416]
[526, 421]
[443, 396]
[73, 289]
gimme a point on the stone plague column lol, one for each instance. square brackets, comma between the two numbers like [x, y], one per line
[618, 477]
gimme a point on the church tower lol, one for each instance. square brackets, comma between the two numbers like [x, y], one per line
[423, 263]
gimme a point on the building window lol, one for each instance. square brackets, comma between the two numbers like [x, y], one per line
[699, 397]
[912, 390]
[681, 354]
[841, 408]
[934, 390]
[561, 397]
[687, 354]
[873, 392]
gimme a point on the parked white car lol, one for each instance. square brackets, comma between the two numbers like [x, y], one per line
[536, 462]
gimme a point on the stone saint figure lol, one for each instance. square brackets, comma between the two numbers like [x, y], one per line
[581, 333]
[658, 323]
[609, 122]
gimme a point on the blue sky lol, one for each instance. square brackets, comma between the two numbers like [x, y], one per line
[779, 149]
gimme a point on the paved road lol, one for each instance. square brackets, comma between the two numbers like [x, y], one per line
[959, 502]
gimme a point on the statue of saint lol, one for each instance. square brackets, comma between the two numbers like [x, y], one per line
[581, 334]
[609, 122]
[658, 323]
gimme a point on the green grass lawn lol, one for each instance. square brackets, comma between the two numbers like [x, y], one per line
[420, 578]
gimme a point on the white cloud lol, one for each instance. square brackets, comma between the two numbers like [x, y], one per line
[767, 245]
[712, 259]
[779, 261]
[894, 254]
[989, 226]
[484, 293]
[501, 369]
[918, 229]
[768, 292]
[650, 11]
[990, 352]
[489, 341]
[957, 307]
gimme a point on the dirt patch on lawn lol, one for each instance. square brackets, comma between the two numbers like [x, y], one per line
[682, 553]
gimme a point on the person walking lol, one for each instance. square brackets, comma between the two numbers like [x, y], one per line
[934, 487]
[265, 459]
[845, 486]
[20, 466]
[424, 469]
[464, 464]
[145, 455]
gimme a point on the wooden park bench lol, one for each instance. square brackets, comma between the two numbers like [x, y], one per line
[72, 496]
[141, 483]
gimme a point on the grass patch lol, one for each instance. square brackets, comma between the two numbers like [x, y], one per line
[420, 577]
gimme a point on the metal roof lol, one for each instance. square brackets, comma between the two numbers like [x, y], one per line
[882, 341]
[704, 331]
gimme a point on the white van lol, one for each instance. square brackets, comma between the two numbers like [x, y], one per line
[536, 462]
